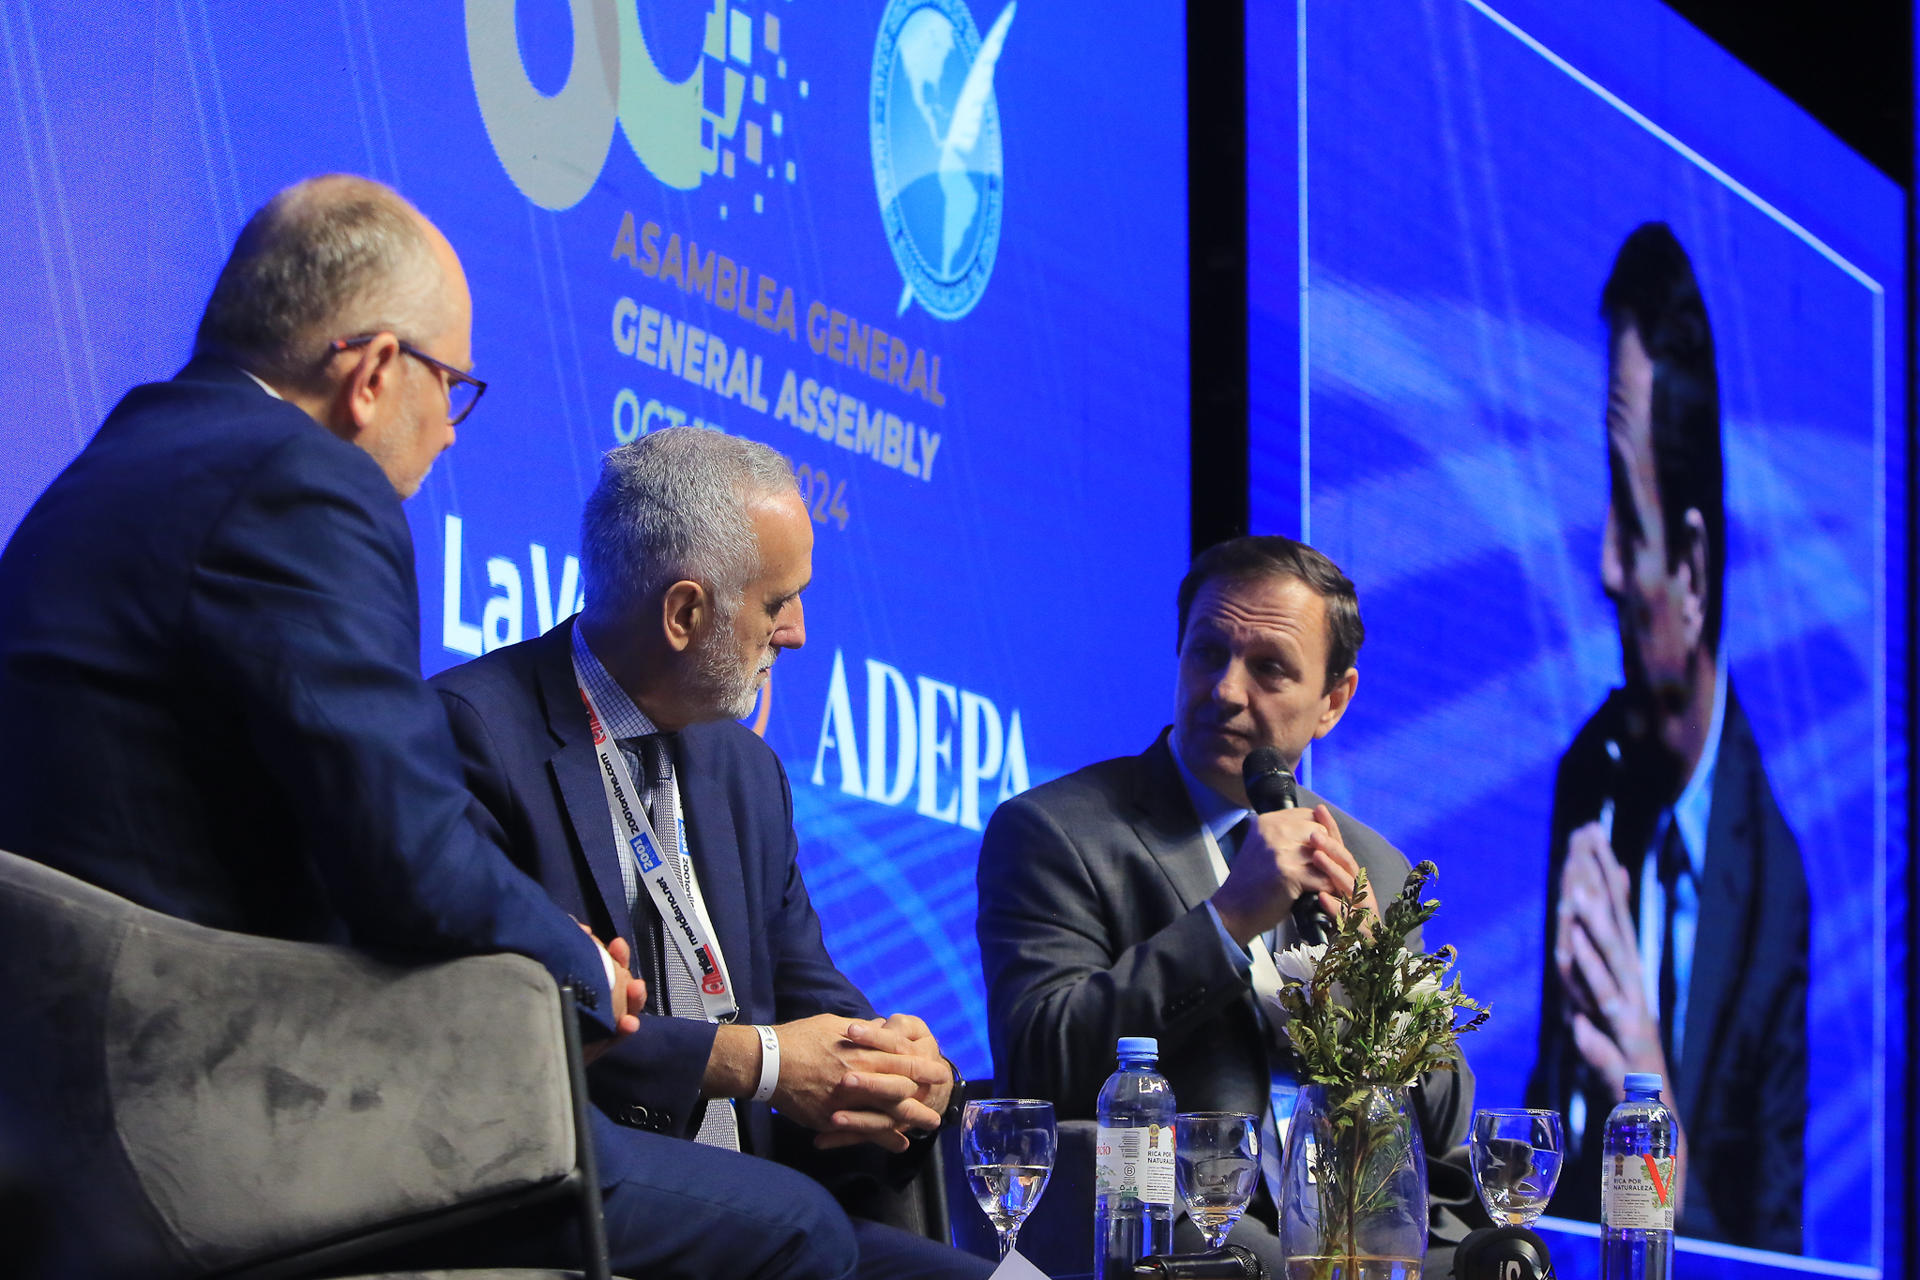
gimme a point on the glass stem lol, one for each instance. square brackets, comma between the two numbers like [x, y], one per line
[1008, 1239]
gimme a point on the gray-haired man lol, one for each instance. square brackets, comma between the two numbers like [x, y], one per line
[605, 757]
[210, 631]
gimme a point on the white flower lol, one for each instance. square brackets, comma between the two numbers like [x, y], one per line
[1298, 963]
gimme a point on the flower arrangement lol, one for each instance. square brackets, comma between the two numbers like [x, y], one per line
[1362, 1009]
[1367, 1017]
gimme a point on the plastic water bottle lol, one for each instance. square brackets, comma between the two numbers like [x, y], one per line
[1637, 1173]
[1133, 1163]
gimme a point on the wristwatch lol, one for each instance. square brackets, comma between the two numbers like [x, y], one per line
[956, 1103]
[957, 1096]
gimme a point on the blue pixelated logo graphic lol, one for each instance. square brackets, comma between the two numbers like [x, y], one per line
[935, 130]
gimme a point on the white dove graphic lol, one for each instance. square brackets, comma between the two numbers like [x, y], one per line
[969, 113]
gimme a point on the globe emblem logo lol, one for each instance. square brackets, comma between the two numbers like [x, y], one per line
[936, 150]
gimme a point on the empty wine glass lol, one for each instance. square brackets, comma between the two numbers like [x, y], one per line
[1007, 1144]
[1516, 1162]
[1217, 1164]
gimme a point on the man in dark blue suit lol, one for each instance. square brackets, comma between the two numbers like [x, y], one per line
[209, 670]
[209, 662]
[606, 760]
[1677, 903]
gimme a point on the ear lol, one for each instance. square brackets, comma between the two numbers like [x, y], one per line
[1339, 698]
[685, 611]
[1693, 578]
[362, 393]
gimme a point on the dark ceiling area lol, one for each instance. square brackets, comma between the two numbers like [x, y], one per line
[1849, 63]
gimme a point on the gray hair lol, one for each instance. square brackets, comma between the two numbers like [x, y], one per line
[331, 257]
[672, 506]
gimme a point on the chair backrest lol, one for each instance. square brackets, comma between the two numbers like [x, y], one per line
[196, 1101]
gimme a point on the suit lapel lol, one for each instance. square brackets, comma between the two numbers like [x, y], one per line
[1169, 828]
[576, 774]
[1725, 892]
[714, 847]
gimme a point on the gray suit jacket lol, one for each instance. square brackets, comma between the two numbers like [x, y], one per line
[1092, 926]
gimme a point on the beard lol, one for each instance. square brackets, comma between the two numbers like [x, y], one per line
[726, 687]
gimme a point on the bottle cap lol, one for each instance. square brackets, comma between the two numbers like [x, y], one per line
[1141, 1047]
[1643, 1082]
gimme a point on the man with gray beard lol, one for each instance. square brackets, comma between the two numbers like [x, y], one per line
[605, 758]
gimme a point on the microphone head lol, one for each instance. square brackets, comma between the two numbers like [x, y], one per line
[1268, 781]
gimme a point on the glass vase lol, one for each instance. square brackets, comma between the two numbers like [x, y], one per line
[1353, 1185]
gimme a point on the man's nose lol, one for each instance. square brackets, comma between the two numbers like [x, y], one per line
[792, 631]
[1230, 686]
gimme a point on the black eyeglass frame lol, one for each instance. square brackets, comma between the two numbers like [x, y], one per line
[455, 377]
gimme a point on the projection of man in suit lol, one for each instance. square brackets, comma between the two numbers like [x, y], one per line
[1676, 900]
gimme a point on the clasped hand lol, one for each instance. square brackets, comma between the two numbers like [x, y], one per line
[629, 996]
[868, 1080]
[1287, 853]
[1597, 955]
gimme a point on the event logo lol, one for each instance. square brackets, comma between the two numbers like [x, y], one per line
[947, 751]
[722, 117]
[935, 130]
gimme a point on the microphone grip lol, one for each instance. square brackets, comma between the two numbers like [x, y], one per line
[1308, 918]
[1270, 787]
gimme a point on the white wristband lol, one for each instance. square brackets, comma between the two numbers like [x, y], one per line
[769, 1064]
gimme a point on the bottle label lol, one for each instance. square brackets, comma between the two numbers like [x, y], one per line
[1636, 1192]
[1135, 1162]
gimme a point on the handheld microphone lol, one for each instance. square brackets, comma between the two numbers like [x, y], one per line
[1270, 788]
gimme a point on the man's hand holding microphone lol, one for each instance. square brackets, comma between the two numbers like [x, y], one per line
[1291, 858]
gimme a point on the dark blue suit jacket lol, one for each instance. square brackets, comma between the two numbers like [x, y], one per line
[210, 693]
[530, 763]
[1741, 1086]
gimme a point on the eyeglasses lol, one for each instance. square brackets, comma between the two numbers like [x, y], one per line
[463, 389]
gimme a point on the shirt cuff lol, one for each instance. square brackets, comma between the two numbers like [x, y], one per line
[1237, 956]
[613, 979]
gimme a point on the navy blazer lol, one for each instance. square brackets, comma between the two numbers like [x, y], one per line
[1741, 1085]
[211, 698]
[530, 763]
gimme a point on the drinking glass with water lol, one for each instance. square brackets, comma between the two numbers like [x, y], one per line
[1216, 1165]
[1516, 1157]
[1007, 1145]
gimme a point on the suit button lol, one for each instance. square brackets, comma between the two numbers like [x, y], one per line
[635, 1116]
[583, 994]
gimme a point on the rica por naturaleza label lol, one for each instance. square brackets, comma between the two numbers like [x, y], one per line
[1636, 1192]
[1135, 1162]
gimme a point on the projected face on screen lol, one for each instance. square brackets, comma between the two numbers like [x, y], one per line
[1658, 589]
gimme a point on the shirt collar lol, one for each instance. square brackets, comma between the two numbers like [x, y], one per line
[1218, 814]
[619, 714]
[263, 386]
[1695, 804]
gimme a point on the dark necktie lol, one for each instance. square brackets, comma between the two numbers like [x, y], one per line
[1236, 839]
[1673, 865]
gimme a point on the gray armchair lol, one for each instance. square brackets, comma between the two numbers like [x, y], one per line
[198, 1103]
